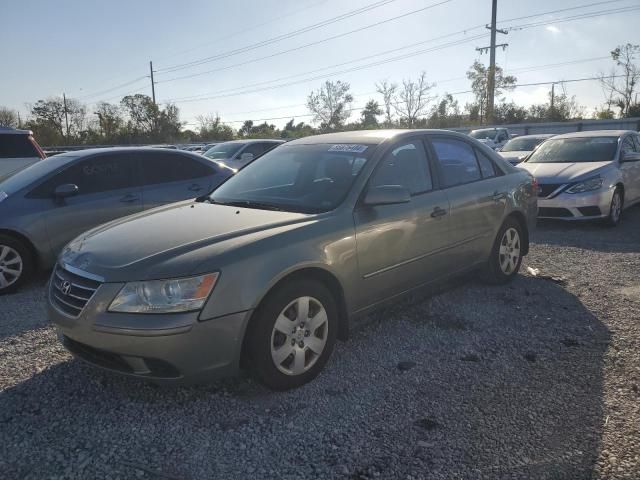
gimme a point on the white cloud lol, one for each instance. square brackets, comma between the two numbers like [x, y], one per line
[552, 29]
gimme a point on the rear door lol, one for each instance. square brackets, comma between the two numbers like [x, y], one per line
[108, 188]
[172, 177]
[17, 151]
[401, 246]
[477, 194]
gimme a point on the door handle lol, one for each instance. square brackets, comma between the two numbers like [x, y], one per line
[129, 198]
[497, 196]
[438, 212]
[195, 187]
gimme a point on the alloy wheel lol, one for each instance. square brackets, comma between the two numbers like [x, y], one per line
[11, 266]
[616, 207]
[299, 336]
[509, 253]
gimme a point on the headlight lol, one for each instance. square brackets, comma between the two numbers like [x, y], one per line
[586, 186]
[164, 296]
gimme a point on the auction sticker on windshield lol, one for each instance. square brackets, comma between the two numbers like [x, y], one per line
[348, 148]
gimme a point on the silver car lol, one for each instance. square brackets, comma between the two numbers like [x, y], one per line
[236, 154]
[18, 150]
[587, 175]
[519, 148]
[269, 270]
[53, 201]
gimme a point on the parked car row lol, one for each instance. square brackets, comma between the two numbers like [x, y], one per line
[179, 267]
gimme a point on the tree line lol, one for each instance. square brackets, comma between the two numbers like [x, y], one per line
[410, 103]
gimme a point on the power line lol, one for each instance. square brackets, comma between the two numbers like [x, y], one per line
[278, 38]
[244, 30]
[353, 69]
[583, 16]
[126, 84]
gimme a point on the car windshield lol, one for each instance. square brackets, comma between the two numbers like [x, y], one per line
[577, 149]
[482, 134]
[223, 150]
[296, 178]
[522, 144]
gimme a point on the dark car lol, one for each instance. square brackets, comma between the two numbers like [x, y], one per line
[46, 205]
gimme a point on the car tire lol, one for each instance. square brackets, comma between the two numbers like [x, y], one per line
[506, 255]
[280, 336]
[16, 264]
[615, 209]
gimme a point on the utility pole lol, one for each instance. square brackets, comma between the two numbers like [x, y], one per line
[66, 114]
[153, 85]
[491, 73]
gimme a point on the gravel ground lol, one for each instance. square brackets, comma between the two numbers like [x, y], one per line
[539, 379]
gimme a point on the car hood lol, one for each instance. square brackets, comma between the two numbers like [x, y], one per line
[168, 241]
[563, 172]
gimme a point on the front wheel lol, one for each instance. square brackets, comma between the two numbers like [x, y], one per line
[615, 211]
[293, 335]
[506, 255]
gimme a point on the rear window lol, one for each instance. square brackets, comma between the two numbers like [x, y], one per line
[17, 146]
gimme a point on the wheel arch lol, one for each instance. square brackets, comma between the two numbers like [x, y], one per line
[323, 276]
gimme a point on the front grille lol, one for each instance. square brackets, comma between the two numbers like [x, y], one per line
[546, 189]
[554, 212]
[70, 292]
[590, 211]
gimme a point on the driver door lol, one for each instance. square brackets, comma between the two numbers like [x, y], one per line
[401, 246]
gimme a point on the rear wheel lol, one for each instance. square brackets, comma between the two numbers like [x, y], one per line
[293, 335]
[615, 211]
[16, 264]
[506, 255]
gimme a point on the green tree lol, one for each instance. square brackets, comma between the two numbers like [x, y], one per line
[212, 128]
[330, 105]
[388, 91]
[509, 112]
[369, 114]
[245, 129]
[293, 130]
[446, 113]
[478, 75]
[110, 121]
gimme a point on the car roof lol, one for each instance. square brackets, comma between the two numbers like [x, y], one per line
[595, 133]
[370, 137]
[92, 151]
[536, 135]
[14, 131]
[252, 140]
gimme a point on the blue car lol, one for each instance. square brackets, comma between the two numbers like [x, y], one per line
[46, 205]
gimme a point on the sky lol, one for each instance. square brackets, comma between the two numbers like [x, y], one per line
[253, 57]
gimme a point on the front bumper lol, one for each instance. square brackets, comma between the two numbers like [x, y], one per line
[576, 206]
[166, 348]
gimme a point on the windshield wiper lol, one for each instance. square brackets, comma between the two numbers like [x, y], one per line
[250, 204]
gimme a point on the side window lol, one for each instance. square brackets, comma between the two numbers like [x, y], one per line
[269, 146]
[628, 145]
[101, 173]
[166, 167]
[487, 168]
[254, 148]
[457, 161]
[636, 139]
[406, 165]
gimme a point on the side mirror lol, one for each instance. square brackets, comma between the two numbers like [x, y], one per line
[65, 190]
[246, 157]
[387, 195]
[630, 157]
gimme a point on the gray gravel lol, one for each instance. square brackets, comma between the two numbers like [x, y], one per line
[540, 379]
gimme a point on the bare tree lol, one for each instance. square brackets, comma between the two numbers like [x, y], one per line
[623, 80]
[387, 90]
[330, 105]
[8, 117]
[412, 99]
